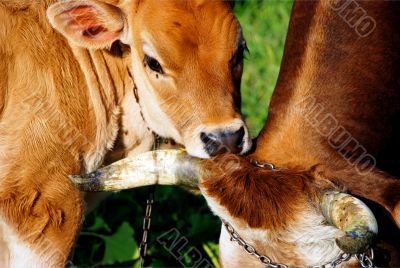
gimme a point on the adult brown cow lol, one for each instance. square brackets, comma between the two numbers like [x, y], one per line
[333, 125]
[335, 112]
[64, 99]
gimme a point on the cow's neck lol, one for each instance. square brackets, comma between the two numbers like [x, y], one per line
[110, 88]
[324, 60]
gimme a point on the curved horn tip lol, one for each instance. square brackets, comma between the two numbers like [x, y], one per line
[356, 244]
[86, 184]
[163, 167]
[353, 217]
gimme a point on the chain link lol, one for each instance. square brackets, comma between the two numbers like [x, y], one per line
[147, 216]
[344, 257]
[235, 237]
[264, 165]
[365, 259]
[146, 228]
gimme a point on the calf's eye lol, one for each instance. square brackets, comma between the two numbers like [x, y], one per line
[237, 59]
[153, 64]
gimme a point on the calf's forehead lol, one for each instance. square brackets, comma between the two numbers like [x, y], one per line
[184, 27]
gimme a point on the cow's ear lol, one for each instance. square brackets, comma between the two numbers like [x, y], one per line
[90, 24]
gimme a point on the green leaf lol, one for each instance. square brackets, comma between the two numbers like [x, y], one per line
[120, 247]
[99, 224]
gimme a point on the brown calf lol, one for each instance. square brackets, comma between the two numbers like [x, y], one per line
[333, 125]
[64, 99]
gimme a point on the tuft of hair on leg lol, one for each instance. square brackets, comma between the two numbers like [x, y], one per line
[242, 189]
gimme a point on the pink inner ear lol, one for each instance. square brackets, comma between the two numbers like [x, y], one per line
[96, 30]
[86, 21]
[82, 16]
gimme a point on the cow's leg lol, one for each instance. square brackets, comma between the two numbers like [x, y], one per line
[41, 219]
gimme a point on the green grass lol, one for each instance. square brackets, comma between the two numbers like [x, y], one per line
[111, 234]
[264, 25]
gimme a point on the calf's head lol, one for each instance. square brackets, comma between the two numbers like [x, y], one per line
[187, 61]
[284, 214]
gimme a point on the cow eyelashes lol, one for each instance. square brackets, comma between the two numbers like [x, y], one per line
[239, 55]
[153, 64]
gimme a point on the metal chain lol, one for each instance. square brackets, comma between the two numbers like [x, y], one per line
[146, 228]
[344, 257]
[235, 237]
[147, 216]
[265, 165]
[365, 259]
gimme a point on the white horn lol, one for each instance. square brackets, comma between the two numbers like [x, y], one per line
[353, 217]
[163, 167]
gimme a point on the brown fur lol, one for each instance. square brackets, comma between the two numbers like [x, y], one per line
[274, 211]
[197, 69]
[36, 198]
[214, 44]
[359, 95]
[243, 189]
[62, 107]
[355, 80]
[327, 69]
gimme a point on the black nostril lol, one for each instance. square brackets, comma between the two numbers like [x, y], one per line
[210, 140]
[204, 138]
[239, 137]
[222, 142]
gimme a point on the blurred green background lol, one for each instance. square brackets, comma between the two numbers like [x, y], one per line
[111, 234]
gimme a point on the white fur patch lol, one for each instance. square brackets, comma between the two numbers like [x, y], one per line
[150, 51]
[312, 237]
[18, 254]
[154, 116]
[139, 138]
[315, 239]
[233, 256]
